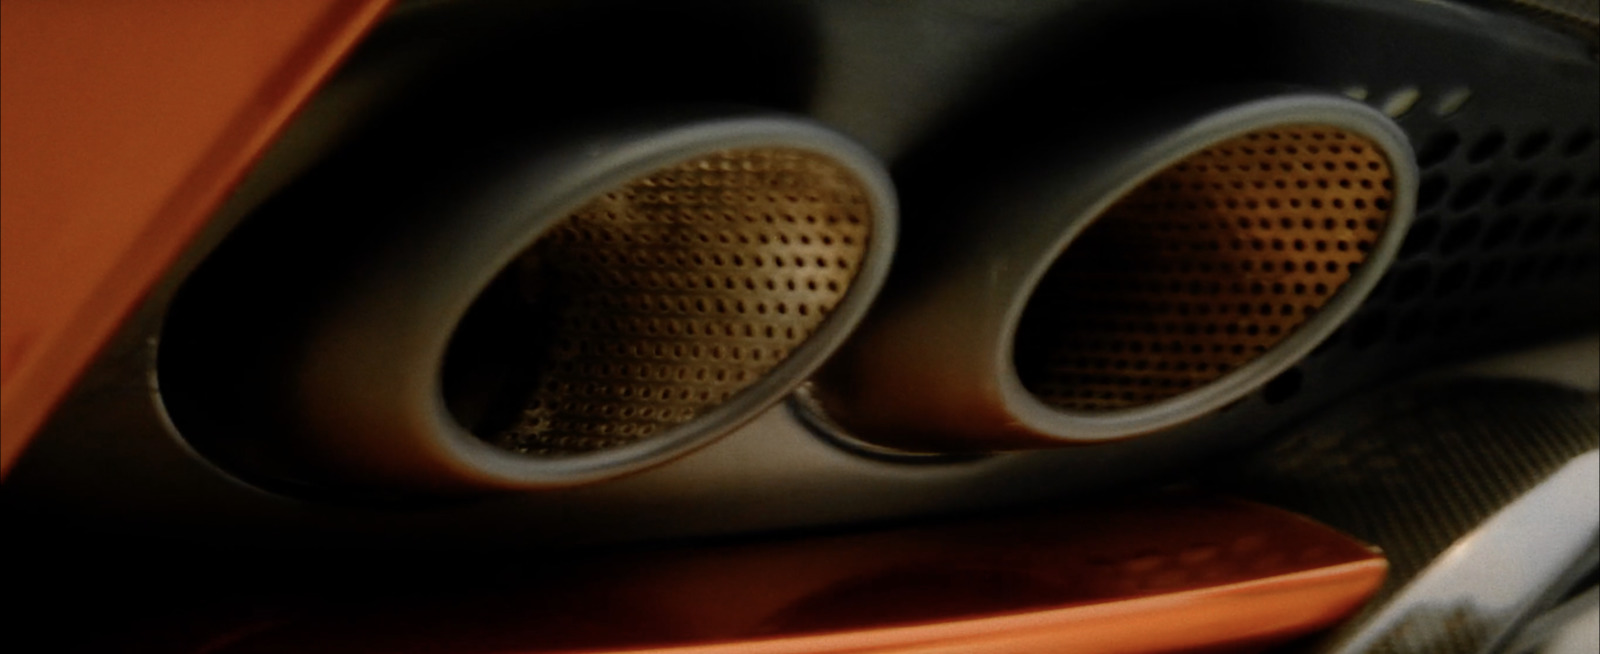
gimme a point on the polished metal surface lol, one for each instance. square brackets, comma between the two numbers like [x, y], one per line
[1570, 628]
[1480, 484]
[1574, 363]
[1472, 596]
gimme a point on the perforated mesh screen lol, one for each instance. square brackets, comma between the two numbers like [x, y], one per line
[1204, 267]
[665, 298]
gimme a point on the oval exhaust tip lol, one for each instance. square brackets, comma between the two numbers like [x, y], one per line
[658, 301]
[1139, 278]
[1204, 268]
[563, 312]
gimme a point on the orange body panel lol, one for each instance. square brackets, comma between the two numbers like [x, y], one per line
[122, 128]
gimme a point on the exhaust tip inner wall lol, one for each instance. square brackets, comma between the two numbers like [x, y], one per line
[1204, 267]
[658, 301]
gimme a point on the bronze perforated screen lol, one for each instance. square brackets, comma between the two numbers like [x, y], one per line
[1203, 268]
[659, 301]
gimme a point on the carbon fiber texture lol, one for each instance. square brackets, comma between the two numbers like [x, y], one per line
[1414, 469]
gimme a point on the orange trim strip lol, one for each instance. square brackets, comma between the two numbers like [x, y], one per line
[1240, 614]
[123, 126]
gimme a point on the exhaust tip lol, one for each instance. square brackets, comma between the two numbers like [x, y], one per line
[655, 303]
[1249, 237]
[1206, 267]
[576, 309]
[1141, 276]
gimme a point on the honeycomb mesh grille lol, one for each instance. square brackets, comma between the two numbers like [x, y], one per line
[1204, 267]
[665, 298]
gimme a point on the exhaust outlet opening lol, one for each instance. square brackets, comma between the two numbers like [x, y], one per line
[658, 302]
[1205, 268]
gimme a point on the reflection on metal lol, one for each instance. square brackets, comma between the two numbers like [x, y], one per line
[1160, 574]
[1477, 591]
[1481, 492]
[1572, 628]
[1574, 363]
